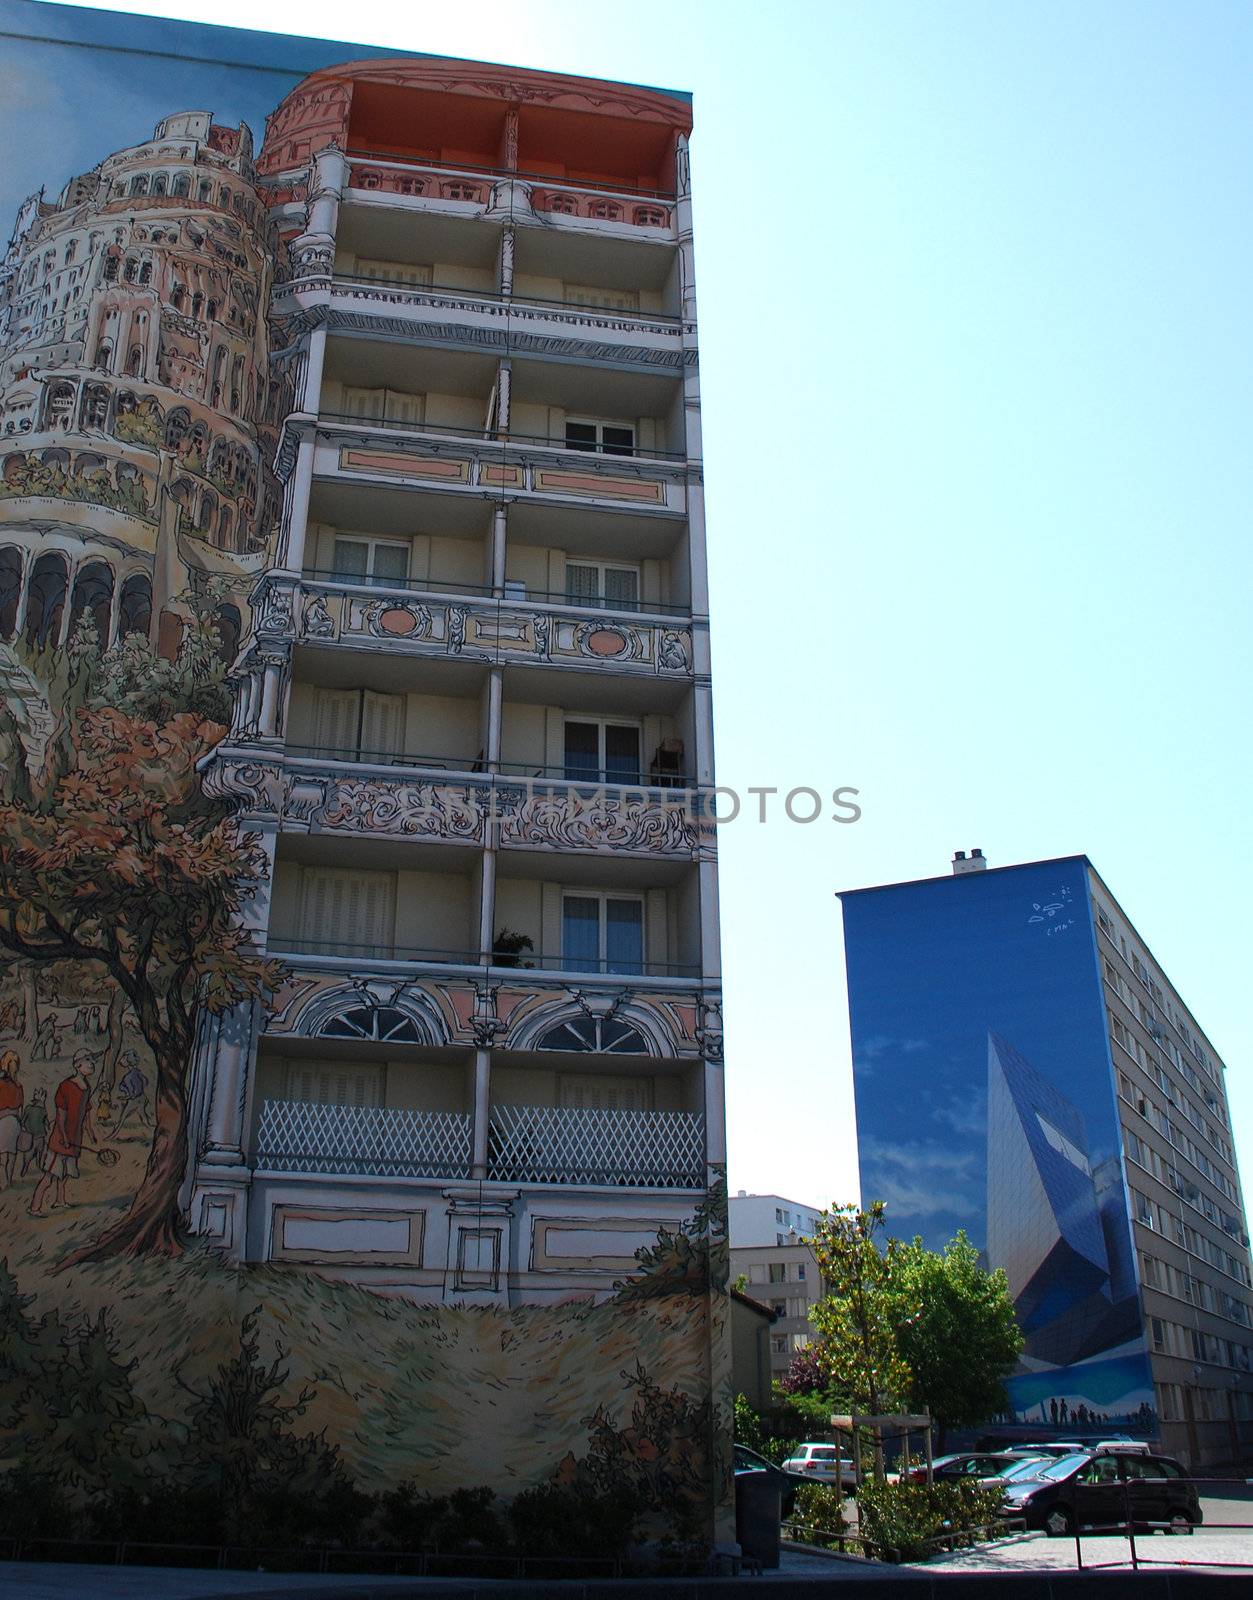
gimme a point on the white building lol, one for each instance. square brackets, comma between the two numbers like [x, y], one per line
[760, 1219]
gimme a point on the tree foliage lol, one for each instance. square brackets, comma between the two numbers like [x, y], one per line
[960, 1341]
[859, 1317]
[110, 854]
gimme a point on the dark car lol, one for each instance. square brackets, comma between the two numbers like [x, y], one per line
[982, 1467]
[747, 1460]
[1105, 1491]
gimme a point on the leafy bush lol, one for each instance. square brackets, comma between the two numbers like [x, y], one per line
[900, 1519]
[572, 1520]
[820, 1510]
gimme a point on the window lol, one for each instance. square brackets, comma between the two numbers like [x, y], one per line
[607, 438]
[602, 933]
[385, 405]
[1144, 1210]
[358, 723]
[779, 1307]
[346, 913]
[596, 583]
[1158, 1328]
[608, 751]
[379, 561]
[778, 1272]
[800, 1272]
[334, 1083]
[778, 1213]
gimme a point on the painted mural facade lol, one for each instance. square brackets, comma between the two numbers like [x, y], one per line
[361, 1184]
[979, 1003]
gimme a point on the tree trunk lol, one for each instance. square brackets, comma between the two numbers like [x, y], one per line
[28, 973]
[153, 1224]
[117, 1010]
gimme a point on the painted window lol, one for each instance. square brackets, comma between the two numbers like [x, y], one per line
[381, 561]
[360, 724]
[598, 1092]
[346, 913]
[598, 583]
[385, 405]
[336, 1083]
[405, 272]
[602, 751]
[604, 438]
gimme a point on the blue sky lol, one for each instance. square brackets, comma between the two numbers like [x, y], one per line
[975, 361]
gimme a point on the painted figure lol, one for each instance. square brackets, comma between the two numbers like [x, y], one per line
[132, 1093]
[11, 1098]
[72, 1126]
[47, 1040]
[35, 1127]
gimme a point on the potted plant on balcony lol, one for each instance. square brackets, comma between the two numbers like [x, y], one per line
[508, 946]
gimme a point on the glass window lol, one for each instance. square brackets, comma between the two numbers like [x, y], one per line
[608, 750]
[608, 438]
[598, 583]
[380, 560]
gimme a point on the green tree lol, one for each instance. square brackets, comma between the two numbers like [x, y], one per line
[859, 1318]
[956, 1332]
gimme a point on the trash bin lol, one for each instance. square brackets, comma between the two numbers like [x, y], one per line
[757, 1516]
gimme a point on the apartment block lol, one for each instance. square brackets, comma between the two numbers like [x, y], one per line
[1026, 1071]
[758, 1219]
[473, 709]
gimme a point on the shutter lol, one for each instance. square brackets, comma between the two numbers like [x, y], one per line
[586, 1089]
[585, 294]
[393, 272]
[348, 911]
[622, 587]
[401, 407]
[328, 1083]
[582, 582]
[368, 403]
[382, 724]
[337, 714]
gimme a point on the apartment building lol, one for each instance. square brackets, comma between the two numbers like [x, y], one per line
[1025, 1070]
[473, 720]
[757, 1219]
[785, 1278]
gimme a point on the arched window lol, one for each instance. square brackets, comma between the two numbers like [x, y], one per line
[159, 183]
[197, 304]
[131, 270]
[93, 592]
[70, 247]
[95, 406]
[205, 191]
[237, 383]
[60, 405]
[211, 310]
[220, 357]
[145, 272]
[10, 589]
[181, 187]
[135, 361]
[196, 451]
[178, 297]
[605, 1035]
[139, 184]
[383, 1023]
[104, 355]
[176, 426]
[45, 600]
[110, 269]
[134, 612]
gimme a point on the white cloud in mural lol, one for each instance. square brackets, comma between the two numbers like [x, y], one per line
[922, 1179]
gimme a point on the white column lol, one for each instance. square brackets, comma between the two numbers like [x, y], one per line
[499, 519]
[296, 509]
[482, 1113]
[506, 259]
[495, 703]
[503, 377]
[232, 1040]
[273, 668]
[315, 357]
[487, 905]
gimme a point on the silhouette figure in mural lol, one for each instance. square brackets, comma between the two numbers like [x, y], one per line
[72, 1126]
[11, 1098]
[35, 1129]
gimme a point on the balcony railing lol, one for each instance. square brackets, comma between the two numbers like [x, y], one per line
[300, 1136]
[624, 186]
[593, 779]
[541, 441]
[422, 289]
[515, 593]
[585, 1145]
[540, 962]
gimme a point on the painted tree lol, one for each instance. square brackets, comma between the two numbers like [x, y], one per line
[110, 854]
[958, 1335]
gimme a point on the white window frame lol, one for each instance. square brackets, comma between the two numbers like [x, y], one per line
[603, 896]
[373, 1076]
[359, 403]
[600, 424]
[601, 724]
[599, 601]
[372, 544]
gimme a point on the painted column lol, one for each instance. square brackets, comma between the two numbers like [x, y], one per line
[273, 671]
[482, 1113]
[502, 398]
[299, 487]
[506, 258]
[315, 356]
[232, 1041]
[499, 522]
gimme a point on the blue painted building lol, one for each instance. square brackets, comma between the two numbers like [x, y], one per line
[1025, 1071]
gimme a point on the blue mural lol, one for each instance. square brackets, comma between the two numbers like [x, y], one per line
[985, 1101]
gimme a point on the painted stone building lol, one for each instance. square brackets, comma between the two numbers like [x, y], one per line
[427, 1096]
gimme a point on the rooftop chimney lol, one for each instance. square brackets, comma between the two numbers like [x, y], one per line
[976, 862]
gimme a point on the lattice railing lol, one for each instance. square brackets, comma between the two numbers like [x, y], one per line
[300, 1136]
[579, 1145]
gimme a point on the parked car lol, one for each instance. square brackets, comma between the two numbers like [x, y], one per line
[985, 1467]
[747, 1460]
[1103, 1490]
[822, 1463]
[1069, 1447]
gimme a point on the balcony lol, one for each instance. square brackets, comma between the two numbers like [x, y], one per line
[545, 630]
[568, 1146]
[298, 1136]
[461, 461]
[511, 324]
